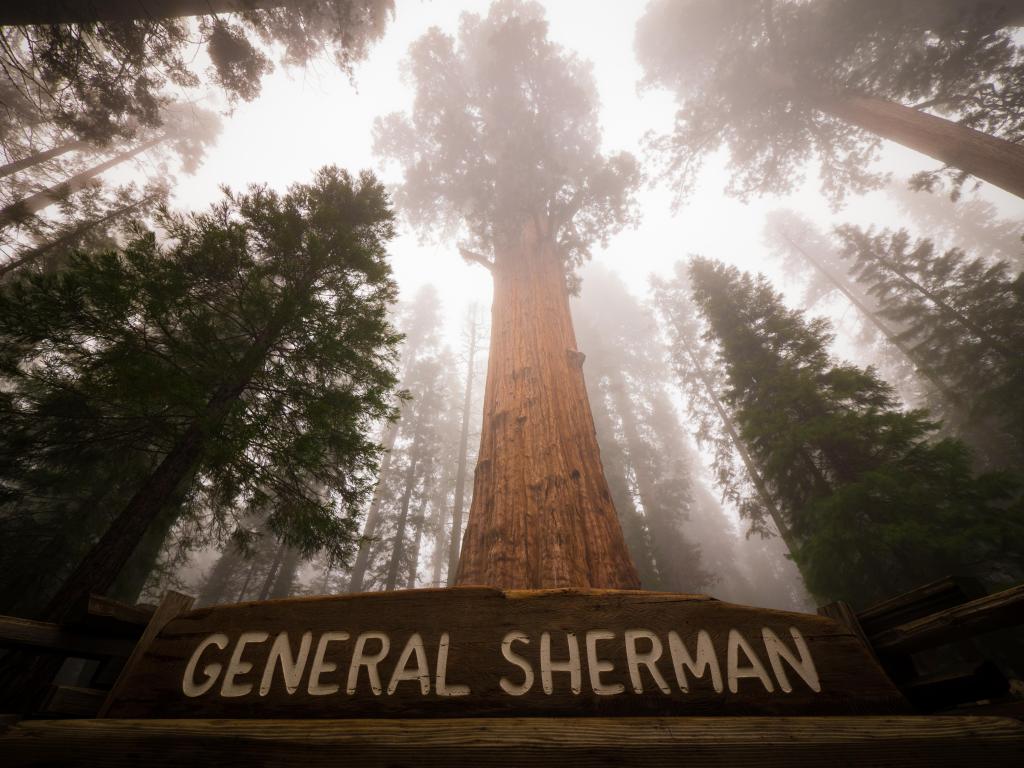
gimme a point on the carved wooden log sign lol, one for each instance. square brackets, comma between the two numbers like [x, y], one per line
[481, 651]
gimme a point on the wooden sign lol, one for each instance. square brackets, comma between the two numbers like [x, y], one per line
[479, 651]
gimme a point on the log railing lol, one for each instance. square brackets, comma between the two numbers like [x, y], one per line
[931, 642]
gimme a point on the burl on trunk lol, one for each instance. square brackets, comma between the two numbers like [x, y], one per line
[542, 515]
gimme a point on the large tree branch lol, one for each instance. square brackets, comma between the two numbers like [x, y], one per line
[469, 255]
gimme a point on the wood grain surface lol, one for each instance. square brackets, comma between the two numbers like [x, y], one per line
[226, 679]
[649, 742]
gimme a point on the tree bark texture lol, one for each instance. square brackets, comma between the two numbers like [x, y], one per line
[542, 514]
[989, 158]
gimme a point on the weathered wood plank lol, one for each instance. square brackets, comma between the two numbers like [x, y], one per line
[998, 611]
[952, 688]
[474, 651]
[45, 637]
[172, 605]
[69, 701]
[918, 603]
[648, 742]
[102, 614]
[844, 614]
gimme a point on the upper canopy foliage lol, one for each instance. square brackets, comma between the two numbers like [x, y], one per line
[752, 75]
[505, 127]
[102, 79]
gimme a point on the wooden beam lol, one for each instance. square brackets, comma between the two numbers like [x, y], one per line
[68, 701]
[952, 688]
[172, 605]
[918, 603]
[999, 611]
[106, 615]
[45, 637]
[843, 613]
[650, 742]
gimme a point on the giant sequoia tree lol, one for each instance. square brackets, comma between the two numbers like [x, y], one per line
[502, 146]
[781, 83]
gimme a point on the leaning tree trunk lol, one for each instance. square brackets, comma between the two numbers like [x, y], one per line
[989, 158]
[40, 157]
[460, 477]
[741, 449]
[28, 206]
[100, 567]
[32, 255]
[92, 11]
[871, 315]
[542, 514]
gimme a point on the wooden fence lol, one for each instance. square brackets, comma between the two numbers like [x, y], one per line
[934, 643]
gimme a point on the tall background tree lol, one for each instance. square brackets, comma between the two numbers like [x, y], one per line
[502, 148]
[872, 504]
[639, 435]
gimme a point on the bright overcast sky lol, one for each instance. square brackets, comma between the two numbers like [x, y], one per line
[307, 118]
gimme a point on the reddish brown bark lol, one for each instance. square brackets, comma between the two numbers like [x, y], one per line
[990, 158]
[542, 514]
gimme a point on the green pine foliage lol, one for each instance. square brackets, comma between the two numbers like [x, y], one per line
[962, 316]
[874, 504]
[106, 364]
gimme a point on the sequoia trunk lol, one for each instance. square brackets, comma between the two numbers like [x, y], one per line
[542, 514]
[990, 158]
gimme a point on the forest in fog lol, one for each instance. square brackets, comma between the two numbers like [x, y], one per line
[276, 280]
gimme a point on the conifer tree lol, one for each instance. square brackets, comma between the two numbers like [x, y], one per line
[963, 316]
[875, 505]
[103, 70]
[252, 352]
[638, 433]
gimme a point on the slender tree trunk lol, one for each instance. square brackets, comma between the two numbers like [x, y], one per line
[982, 333]
[90, 11]
[417, 543]
[871, 315]
[98, 570]
[398, 546]
[989, 158]
[248, 580]
[28, 206]
[40, 157]
[32, 255]
[442, 541]
[741, 448]
[271, 577]
[373, 515]
[664, 535]
[542, 514]
[286, 573]
[460, 476]
[215, 588]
